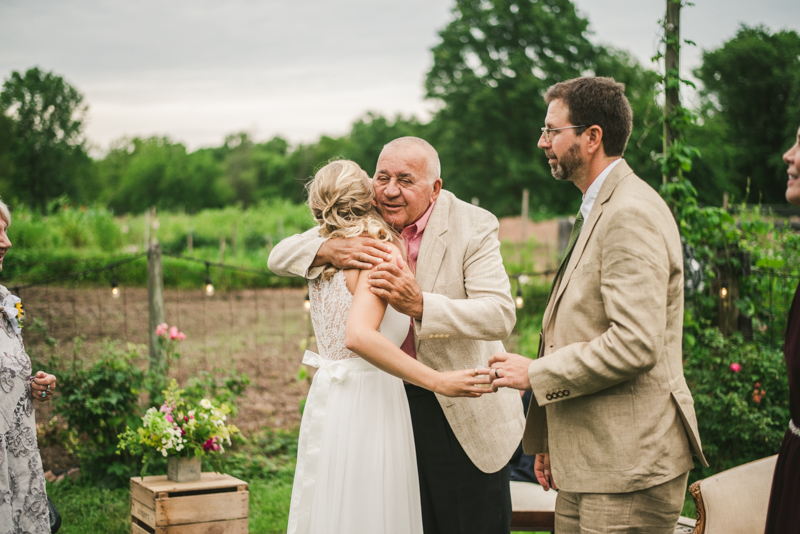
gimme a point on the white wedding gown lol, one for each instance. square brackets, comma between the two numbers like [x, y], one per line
[356, 466]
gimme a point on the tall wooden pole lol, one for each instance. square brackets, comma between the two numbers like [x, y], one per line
[671, 69]
[155, 297]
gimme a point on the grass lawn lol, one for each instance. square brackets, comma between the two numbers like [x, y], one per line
[86, 508]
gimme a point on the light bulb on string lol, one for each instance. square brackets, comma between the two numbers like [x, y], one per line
[114, 288]
[723, 293]
[209, 285]
[307, 303]
[519, 300]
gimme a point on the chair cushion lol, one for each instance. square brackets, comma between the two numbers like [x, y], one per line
[529, 497]
[736, 500]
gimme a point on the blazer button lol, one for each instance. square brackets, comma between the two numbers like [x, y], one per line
[560, 394]
[548, 397]
[566, 393]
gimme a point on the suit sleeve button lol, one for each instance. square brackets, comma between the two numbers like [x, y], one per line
[566, 393]
[548, 397]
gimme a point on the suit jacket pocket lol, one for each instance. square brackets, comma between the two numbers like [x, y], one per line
[602, 433]
[685, 404]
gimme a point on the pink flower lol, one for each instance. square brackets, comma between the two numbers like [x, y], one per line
[181, 336]
[211, 444]
[161, 329]
[183, 432]
[735, 367]
[166, 408]
[173, 332]
[168, 417]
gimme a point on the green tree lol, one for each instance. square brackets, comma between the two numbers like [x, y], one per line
[47, 147]
[751, 85]
[140, 173]
[495, 60]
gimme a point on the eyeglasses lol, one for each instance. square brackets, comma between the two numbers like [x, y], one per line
[546, 131]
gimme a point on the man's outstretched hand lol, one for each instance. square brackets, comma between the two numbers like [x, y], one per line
[395, 283]
[353, 253]
[509, 371]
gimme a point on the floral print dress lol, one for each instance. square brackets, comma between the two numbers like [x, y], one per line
[23, 501]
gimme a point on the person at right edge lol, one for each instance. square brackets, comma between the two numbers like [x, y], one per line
[612, 420]
[783, 515]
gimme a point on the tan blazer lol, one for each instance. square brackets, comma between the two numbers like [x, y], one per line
[468, 311]
[614, 410]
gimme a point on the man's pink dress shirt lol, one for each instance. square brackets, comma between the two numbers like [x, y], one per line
[412, 235]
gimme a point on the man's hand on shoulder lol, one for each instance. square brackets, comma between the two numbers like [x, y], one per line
[353, 253]
[395, 283]
[509, 371]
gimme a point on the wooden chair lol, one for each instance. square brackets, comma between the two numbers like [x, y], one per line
[533, 509]
[734, 501]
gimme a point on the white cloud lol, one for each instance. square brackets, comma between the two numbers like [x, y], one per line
[197, 70]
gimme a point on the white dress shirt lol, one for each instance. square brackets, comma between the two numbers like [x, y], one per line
[591, 193]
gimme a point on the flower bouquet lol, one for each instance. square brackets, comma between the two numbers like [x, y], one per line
[181, 432]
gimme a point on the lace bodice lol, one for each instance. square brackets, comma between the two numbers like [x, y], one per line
[330, 307]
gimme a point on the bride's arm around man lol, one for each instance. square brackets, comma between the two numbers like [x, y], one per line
[457, 293]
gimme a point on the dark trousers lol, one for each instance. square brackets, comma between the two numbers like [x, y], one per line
[457, 497]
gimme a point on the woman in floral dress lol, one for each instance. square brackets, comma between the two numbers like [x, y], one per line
[23, 501]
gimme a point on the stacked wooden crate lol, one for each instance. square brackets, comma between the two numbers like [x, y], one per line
[215, 504]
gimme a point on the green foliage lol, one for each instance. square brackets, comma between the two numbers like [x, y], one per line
[529, 318]
[71, 239]
[743, 411]
[750, 95]
[742, 415]
[43, 124]
[98, 402]
[268, 454]
[218, 386]
[495, 61]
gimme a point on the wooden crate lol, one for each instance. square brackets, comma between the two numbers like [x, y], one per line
[215, 504]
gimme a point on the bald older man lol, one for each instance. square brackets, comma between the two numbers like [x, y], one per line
[461, 309]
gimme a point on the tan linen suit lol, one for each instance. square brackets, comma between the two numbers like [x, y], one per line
[468, 310]
[614, 410]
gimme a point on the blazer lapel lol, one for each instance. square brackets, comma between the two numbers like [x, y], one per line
[433, 246]
[615, 177]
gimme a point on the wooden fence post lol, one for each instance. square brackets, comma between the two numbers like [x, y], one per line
[155, 297]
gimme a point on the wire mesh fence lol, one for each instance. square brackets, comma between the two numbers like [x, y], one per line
[261, 332]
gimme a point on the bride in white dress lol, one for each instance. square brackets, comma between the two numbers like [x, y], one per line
[356, 467]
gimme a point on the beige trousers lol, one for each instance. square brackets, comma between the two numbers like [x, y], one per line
[653, 510]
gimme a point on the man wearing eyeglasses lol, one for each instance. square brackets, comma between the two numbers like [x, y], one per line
[612, 420]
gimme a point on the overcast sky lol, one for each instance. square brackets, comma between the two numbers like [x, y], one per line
[199, 70]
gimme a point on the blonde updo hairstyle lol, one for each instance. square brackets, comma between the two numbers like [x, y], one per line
[340, 197]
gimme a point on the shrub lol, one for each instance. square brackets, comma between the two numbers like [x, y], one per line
[98, 402]
[741, 398]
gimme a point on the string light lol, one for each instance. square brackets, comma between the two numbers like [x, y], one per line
[114, 287]
[519, 300]
[209, 285]
[307, 303]
[723, 293]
